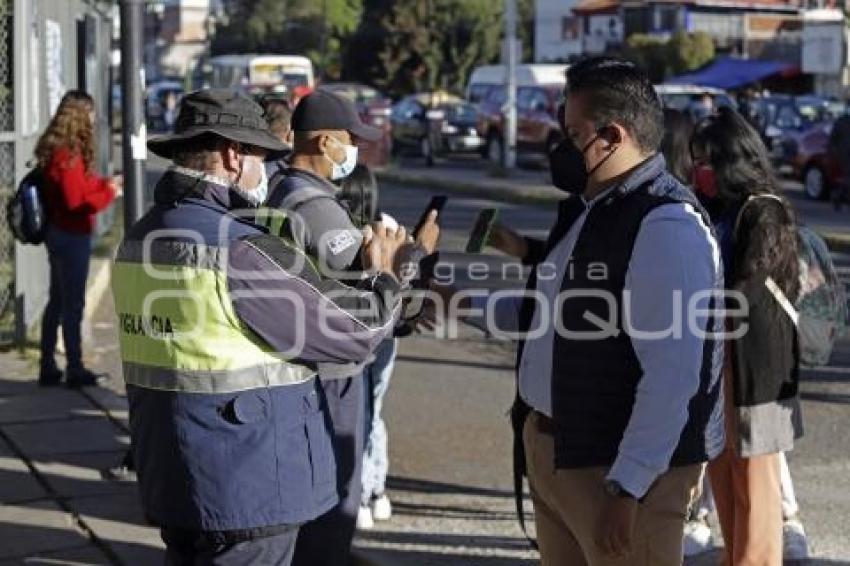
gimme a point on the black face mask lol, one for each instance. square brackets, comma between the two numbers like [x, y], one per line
[569, 171]
[566, 162]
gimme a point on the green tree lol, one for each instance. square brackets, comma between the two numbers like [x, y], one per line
[414, 45]
[664, 58]
[689, 51]
[650, 53]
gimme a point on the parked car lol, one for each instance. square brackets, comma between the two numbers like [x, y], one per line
[785, 121]
[435, 125]
[806, 151]
[374, 109]
[681, 97]
[486, 78]
[538, 131]
[539, 90]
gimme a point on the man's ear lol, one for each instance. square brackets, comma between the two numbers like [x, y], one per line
[230, 157]
[323, 143]
[613, 134]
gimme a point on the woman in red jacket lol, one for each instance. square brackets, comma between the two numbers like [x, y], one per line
[73, 195]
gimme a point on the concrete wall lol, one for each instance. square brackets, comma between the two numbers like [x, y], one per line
[553, 37]
[48, 40]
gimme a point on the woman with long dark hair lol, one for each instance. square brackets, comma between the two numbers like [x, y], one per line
[758, 240]
[73, 194]
[675, 145]
[359, 193]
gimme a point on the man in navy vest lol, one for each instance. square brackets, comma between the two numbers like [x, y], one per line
[619, 397]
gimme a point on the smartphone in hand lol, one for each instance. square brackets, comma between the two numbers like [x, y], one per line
[437, 203]
[481, 230]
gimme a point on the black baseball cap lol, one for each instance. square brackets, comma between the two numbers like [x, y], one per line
[222, 112]
[322, 110]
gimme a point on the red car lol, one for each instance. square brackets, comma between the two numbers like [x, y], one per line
[374, 110]
[538, 131]
[806, 152]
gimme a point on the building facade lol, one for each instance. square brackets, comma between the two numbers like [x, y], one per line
[762, 29]
[601, 23]
[176, 33]
[557, 31]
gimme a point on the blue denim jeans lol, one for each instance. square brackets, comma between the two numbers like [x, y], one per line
[68, 255]
[376, 461]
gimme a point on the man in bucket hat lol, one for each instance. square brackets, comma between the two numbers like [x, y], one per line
[221, 328]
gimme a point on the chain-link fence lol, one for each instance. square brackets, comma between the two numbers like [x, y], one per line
[7, 36]
[7, 169]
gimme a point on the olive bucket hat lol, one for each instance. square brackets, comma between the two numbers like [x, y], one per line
[226, 113]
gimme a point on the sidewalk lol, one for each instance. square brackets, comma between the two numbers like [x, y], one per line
[54, 442]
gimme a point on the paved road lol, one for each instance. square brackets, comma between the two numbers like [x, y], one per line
[449, 435]
[450, 439]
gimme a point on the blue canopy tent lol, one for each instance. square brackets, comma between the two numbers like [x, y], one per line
[731, 72]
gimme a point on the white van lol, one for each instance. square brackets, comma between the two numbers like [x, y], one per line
[256, 74]
[486, 77]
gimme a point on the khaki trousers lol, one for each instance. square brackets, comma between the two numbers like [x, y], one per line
[748, 496]
[568, 505]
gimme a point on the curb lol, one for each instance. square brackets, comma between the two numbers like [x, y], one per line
[494, 189]
[836, 242]
[98, 284]
[498, 190]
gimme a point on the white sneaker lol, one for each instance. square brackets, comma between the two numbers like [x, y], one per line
[364, 518]
[382, 509]
[794, 541]
[697, 538]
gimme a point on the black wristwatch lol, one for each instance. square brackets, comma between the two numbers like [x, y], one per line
[614, 489]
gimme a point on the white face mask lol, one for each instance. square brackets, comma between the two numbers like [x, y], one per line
[258, 194]
[344, 169]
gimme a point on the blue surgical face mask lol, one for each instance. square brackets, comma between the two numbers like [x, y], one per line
[344, 169]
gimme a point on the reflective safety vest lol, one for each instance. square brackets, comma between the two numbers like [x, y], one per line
[178, 328]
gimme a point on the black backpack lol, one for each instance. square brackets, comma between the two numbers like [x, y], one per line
[25, 211]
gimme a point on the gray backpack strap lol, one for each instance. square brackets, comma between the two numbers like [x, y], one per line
[277, 176]
[303, 195]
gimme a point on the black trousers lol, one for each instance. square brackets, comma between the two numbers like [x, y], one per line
[191, 548]
[326, 541]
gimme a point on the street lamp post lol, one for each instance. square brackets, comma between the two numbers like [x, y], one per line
[134, 134]
[509, 148]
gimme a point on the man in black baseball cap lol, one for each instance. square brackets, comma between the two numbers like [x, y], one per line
[326, 128]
